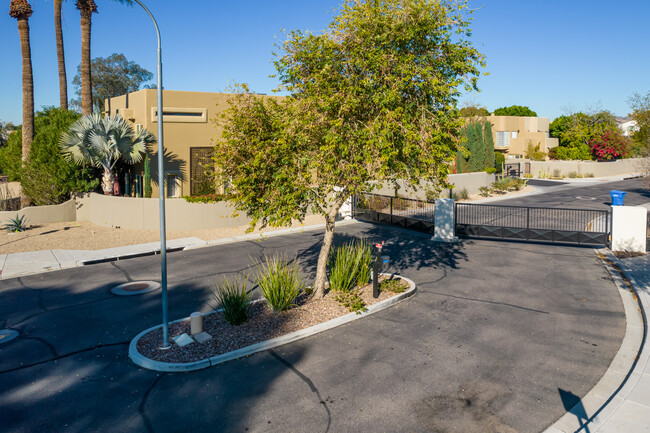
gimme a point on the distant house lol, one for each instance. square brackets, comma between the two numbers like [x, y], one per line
[189, 134]
[627, 126]
[512, 134]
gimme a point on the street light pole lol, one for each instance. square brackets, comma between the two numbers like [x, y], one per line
[161, 189]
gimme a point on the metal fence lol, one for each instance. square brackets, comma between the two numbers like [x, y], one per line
[582, 226]
[402, 212]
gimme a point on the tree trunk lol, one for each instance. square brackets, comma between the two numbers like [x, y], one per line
[108, 182]
[60, 55]
[86, 87]
[28, 96]
[321, 267]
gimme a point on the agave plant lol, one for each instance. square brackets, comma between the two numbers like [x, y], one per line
[16, 224]
[101, 142]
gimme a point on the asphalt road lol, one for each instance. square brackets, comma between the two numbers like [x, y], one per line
[496, 334]
[583, 196]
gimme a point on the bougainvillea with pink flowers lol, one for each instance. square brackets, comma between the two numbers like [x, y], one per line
[610, 145]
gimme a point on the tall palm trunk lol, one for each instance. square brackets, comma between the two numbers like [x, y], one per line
[60, 55]
[86, 8]
[21, 10]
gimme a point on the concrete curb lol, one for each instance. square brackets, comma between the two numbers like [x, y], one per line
[150, 364]
[620, 378]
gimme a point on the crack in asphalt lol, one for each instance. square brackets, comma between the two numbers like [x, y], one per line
[489, 302]
[53, 310]
[143, 402]
[309, 382]
[43, 341]
[124, 271]
[67, 355]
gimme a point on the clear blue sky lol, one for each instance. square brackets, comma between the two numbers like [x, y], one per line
[551, 55]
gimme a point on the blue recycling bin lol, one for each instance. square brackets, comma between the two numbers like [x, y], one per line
[617, 197]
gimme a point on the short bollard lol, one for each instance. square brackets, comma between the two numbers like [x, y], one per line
[376, 270]
[196, 323]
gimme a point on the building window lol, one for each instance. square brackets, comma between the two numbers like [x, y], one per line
[181, 115]
[503, 138]
[173, 186]
[202, 180]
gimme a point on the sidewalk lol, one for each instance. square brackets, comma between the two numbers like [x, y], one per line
[620, 402]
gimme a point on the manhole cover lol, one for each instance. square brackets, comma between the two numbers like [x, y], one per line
[6, 335]
[135, 288]
[582, 197]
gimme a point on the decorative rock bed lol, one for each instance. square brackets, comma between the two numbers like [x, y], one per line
[263, 330]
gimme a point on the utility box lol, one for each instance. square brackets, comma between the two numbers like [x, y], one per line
[629, 225]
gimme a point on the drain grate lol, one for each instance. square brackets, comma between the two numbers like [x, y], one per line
[6, 335]
[135, 288]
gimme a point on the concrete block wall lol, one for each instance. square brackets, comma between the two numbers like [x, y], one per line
[470, 181]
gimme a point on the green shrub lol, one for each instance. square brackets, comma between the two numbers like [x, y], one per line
[392, 285]
[589, 175]
[234, 299]
[16, 224]
[490, 170]
[352, 301]
[462, 194]
[501, 185]
[47, 178]
[147, 176]
[431, 195]
[349, 265]
[211, 198]
[528, 175]
[557, 172]
[573, 174]
[484, 191]
[279, 282]
[500, 160]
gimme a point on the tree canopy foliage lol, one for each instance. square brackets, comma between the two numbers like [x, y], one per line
[575, 132]
[112, 76]
[515, 110]
[373, 98]
[46, 178]
[640, 105]
[473, 111]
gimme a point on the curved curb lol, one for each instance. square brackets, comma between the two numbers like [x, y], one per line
[150, 364]
[619, 379]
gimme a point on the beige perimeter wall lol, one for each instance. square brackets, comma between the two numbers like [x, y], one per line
[44, 214]
[470, 181]
[598, 169]
[143, 213]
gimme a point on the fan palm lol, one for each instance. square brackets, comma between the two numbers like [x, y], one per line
[101, 142]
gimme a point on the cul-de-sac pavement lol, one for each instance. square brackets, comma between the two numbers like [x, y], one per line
[500, 337]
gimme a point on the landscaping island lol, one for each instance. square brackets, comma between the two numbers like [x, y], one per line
[263, 330]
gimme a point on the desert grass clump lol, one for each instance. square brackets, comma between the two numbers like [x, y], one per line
[350, 266]
[234, 298]
[279, 281]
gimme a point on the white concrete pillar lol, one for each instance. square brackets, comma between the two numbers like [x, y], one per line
[444, 221]
[196, 323]
[629, 226]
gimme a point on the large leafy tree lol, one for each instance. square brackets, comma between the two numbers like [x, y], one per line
[474, 111]
[574, 133]
[373, 98]
[515, 110]
[640, 105]
[112, 76]
[101, 142]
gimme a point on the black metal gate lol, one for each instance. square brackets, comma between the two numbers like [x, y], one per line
[401, 212]
[574, 226]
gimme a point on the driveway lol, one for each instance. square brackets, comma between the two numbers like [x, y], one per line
[495, 336]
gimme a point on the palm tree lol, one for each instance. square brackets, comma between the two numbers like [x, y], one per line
[87, 8]
[21, 10]
[60, 55]
[101, 142]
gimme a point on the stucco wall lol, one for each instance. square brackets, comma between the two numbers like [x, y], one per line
[598, 169]
[44, 214]
[143, 213]
[470, 181]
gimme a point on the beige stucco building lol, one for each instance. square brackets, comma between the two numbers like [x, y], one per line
[189, 132]
[512, 134]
